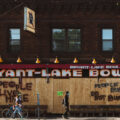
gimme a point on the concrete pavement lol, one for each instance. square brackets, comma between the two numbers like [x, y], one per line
[70, 118]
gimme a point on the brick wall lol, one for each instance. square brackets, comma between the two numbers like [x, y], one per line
[39, 44]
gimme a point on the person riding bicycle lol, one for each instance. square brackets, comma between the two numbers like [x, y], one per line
[19, 100]
[17, 107]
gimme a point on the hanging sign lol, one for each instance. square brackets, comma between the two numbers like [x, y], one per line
[29, 20]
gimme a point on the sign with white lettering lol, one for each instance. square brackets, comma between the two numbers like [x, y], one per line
[60, 73]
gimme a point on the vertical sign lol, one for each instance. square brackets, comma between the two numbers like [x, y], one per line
[29, 20]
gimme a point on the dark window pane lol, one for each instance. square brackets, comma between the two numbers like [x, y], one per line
[107, 46]
[14, 42]
[66, 40]
[74, 46]
[74, 39]
[74, 34]
[58, 36]
[59, 46]
[14, 48]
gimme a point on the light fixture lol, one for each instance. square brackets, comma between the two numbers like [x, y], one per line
[37, 60]
[75, 60]
[19, 60]
[1, 60]
[112, 60]
[117, 3]
[94, 61]
[56, 60]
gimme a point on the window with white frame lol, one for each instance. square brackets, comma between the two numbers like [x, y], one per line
[107, 39]
[14, 41]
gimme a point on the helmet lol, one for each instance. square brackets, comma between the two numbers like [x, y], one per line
[19, 94]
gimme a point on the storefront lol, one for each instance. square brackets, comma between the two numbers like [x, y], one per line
[88, 84]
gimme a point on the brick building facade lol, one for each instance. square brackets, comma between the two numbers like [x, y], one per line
[68, 29]
[90, 17]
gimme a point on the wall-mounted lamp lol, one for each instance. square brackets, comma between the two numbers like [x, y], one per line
[94, 61]
[19, 60]
[37, 60]
[56, 60]
[1, 60]
[112, 60]
[75, 60]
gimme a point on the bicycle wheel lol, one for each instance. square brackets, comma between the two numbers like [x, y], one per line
[9, 113]
[25, 114]
[17, 115]
[38, 112]
[4, 112]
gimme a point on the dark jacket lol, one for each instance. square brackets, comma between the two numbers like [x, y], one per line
[66, 101]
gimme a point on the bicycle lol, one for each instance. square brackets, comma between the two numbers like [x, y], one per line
[8, 112]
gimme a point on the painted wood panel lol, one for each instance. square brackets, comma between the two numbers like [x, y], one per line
[83, 91]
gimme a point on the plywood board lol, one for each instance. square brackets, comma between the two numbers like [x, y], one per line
[83, 91]
[59, 85]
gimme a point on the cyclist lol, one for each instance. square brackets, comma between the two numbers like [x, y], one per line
[17, 106]
[19, 100]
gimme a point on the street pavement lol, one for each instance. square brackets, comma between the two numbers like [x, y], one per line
[70, 118]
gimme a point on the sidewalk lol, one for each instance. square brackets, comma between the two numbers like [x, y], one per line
[71, 118]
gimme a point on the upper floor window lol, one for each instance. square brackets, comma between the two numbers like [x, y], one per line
[14, 43]
[66, 40]
[107, 39]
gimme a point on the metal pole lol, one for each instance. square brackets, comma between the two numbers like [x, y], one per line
[38, 103]
[47, 75]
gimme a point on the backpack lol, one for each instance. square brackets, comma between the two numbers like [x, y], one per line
[19, 100]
